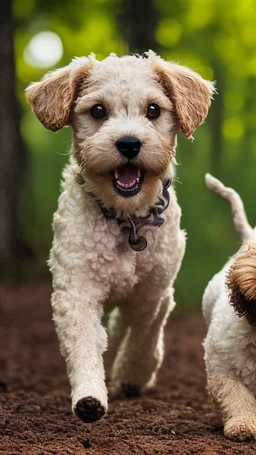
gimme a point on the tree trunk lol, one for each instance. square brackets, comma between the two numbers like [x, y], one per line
[12, 151]
[137, 23]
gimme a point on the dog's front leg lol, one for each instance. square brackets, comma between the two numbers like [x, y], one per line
[81, 286]
[77, 315]
[237, 403]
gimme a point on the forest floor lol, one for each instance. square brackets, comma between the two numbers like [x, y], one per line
[35, 418]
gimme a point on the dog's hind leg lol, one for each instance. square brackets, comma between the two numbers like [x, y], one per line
[143, 318]
[118, 322]
[141, 350]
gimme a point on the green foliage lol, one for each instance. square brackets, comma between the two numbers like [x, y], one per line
[213, 37]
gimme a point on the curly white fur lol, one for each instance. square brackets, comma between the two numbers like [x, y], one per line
[230, 344]
[91, 262]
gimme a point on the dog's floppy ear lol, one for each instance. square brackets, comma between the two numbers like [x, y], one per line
[241, 282]
[52, 98]
[189, 92]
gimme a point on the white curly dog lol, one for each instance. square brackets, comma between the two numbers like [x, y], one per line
[229, 308]
[109, 250]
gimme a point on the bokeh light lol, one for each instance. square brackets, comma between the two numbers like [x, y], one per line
[43, 50]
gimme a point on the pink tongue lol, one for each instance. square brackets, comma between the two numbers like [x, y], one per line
[127, 174]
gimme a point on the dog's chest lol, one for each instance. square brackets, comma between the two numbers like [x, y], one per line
[110, 260]
[125, 278]
[132, 269]
[114, 264]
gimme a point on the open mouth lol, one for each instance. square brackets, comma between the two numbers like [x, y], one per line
[127, 180]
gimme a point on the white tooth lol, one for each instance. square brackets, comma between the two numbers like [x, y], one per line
[138, 172]
[127, 185]
[116, 174]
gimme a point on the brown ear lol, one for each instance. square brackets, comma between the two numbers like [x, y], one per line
[189, 92]
[53, 97]
[241, 282]
[242, 305]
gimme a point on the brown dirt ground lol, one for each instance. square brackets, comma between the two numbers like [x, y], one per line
[35, 417]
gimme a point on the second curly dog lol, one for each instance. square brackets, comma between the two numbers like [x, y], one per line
[229, 307]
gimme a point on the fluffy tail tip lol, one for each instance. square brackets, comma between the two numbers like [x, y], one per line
[210, 180]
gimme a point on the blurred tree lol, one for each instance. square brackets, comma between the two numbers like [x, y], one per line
[12, 150]
[137, 23]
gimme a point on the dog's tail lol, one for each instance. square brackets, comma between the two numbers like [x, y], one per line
[237, 207]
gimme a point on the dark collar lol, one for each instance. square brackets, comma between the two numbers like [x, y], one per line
[133, 223]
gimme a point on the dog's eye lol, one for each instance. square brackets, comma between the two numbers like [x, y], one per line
[153, 111]
[98, 111]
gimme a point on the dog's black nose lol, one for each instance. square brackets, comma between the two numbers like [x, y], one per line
[128, 146]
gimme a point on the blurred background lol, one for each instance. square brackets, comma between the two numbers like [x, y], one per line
[215, 38]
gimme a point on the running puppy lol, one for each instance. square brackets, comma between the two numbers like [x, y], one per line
[109, 250]
[229, 308]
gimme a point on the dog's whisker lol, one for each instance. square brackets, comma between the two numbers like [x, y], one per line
[63, 154]
[177, 180]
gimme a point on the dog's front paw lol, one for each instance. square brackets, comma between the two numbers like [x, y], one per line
[89, 409]
[241, 428]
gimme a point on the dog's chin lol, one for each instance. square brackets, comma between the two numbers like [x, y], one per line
[124, 193]
[145, 195]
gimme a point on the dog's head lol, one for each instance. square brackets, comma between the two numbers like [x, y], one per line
[125, 114]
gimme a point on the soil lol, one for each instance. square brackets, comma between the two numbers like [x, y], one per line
[35, 418]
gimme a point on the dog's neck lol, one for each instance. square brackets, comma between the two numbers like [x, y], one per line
[134, 223]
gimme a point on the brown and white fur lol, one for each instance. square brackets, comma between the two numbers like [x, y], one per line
[92, 264]
[230, 345]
